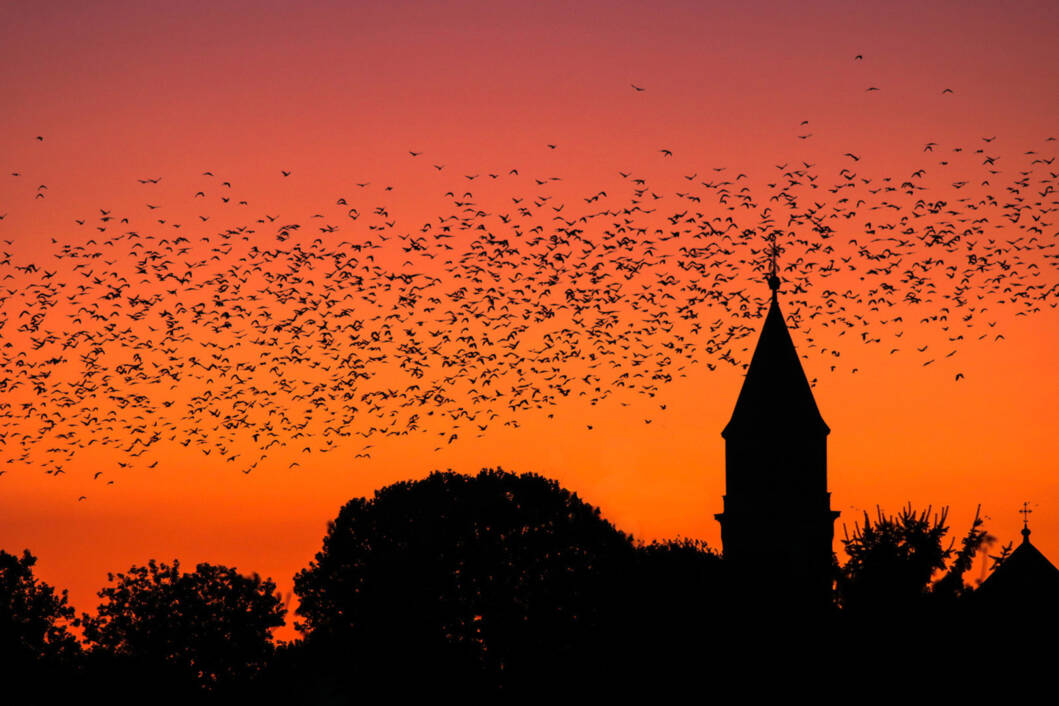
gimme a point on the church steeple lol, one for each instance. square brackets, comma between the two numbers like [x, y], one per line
[775, 390]
[777, 510]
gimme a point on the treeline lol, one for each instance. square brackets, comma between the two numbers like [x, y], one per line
[493, 585]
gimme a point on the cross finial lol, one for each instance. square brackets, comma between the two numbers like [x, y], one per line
[1025, 512]
[774, 278]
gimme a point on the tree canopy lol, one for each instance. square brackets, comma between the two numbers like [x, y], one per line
[34, 619]
[489, 584]
[897, 561]
[211, 626]
[495, 570]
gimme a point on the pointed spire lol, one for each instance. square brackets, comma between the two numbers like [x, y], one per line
[775, 393]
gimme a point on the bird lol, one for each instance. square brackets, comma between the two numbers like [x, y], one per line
[469, 297]
[637, 87]
[666, 153]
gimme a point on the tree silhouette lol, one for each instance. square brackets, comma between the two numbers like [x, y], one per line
[903, 602]
[676, 604]
[894, 561]
[34, 619]
[211, 627]
[490, 578]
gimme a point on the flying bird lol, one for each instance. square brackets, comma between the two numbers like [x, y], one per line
[407, 326]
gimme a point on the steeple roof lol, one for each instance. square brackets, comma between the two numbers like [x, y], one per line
[1025, 570]
[776, 393]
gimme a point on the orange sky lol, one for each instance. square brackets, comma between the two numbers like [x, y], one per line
[338, 93]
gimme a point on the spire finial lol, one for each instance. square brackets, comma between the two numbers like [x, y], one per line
[1025, 512]
[773, 277]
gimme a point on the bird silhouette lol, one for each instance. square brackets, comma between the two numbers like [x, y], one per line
[291, 336]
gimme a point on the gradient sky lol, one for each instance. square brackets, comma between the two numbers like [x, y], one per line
[337, 93]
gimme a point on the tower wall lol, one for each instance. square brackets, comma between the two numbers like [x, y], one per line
[777, 527]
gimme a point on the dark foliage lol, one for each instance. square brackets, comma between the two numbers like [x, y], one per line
[481, 578]
[39, 656]
[904, 603]
[899, 562]
[508, 586]
[210, 627]
[34, 620]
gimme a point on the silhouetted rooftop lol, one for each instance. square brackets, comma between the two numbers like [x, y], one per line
[1025, 574]
[775, 393]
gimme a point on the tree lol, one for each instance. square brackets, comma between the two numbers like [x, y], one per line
[895, 561]
[499, 574]
[902, 598]
[34, 619]
[676, 605]
[211, 626]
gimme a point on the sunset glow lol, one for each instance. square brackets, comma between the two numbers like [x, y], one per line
[311, 113]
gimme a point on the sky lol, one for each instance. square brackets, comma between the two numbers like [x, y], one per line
[339, 94]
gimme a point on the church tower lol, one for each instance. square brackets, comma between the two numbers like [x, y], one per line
[777, 526]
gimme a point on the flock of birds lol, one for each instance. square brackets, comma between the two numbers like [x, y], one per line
[273, 338]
